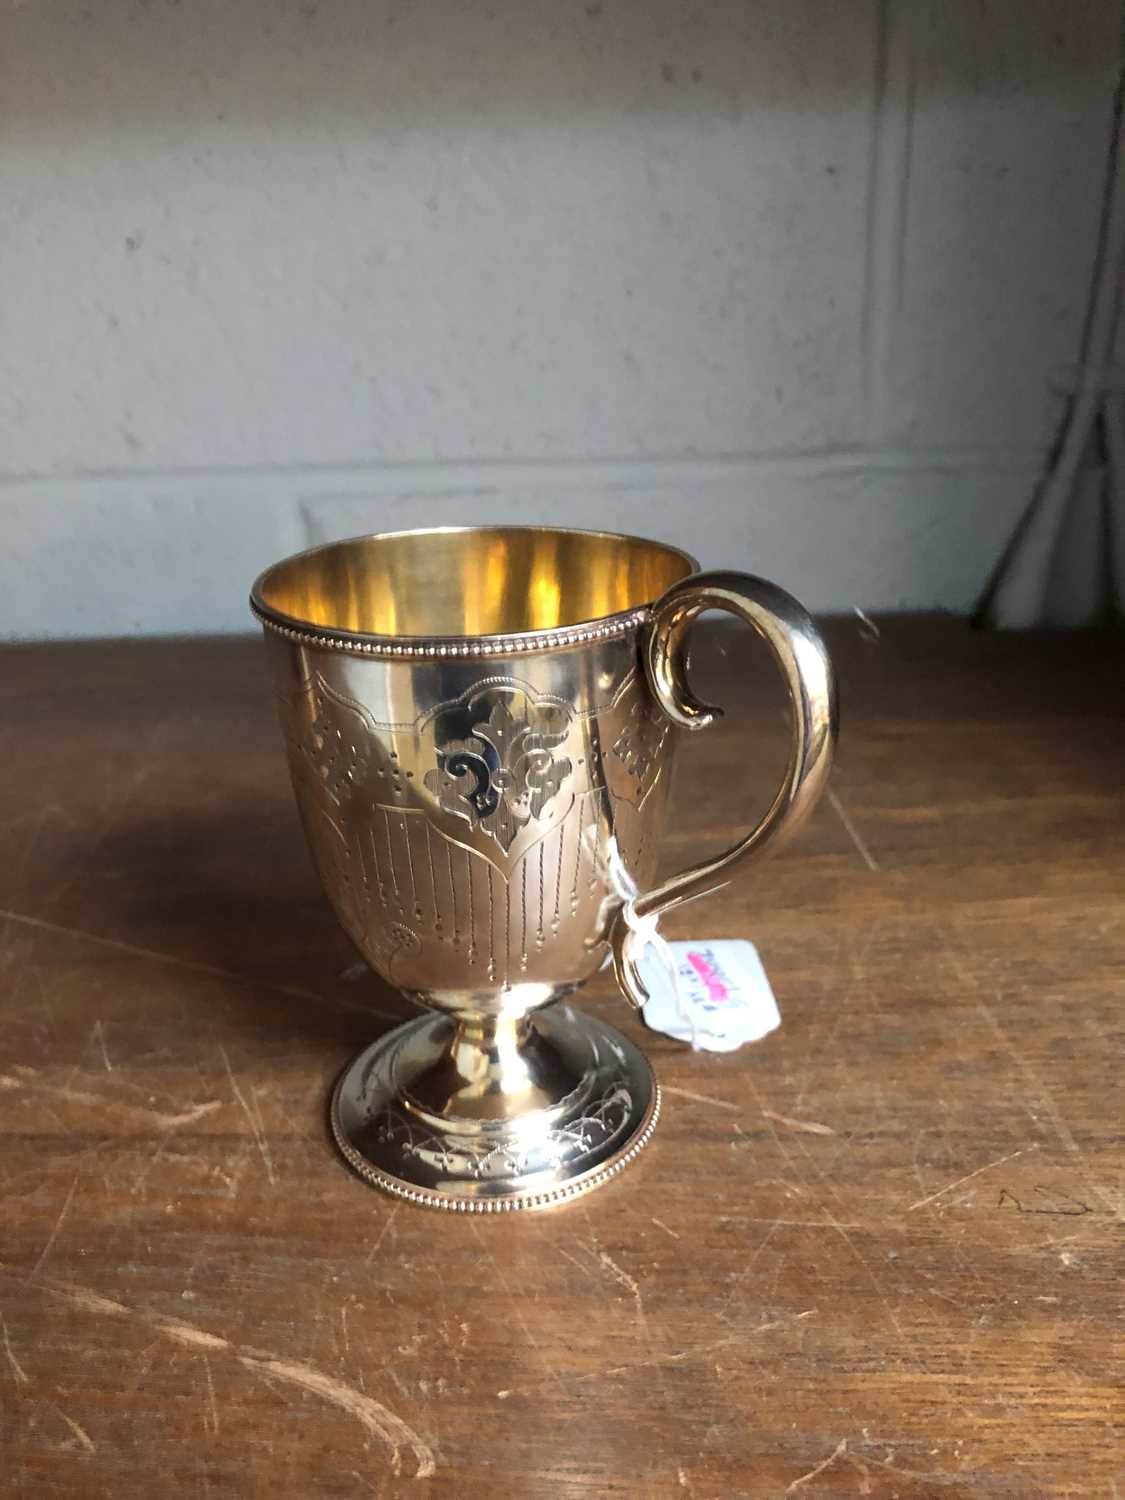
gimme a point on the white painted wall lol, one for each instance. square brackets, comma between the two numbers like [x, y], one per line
[783, 280]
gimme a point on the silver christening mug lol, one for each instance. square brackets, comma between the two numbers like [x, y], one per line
[481, 724]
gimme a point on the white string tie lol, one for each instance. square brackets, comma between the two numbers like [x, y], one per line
[645, 933]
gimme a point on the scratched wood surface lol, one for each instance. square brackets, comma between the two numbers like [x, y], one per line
[879, 1253]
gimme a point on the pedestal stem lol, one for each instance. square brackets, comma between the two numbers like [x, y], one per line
[493, 1057]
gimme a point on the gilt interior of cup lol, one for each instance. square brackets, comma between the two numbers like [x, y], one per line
[468, 581]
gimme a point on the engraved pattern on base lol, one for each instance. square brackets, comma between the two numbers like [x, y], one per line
[472, 1157]
[451, 1203]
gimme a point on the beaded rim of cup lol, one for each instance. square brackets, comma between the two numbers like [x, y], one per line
[421, 647]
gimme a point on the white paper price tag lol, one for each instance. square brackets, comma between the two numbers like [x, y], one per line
[723, 989]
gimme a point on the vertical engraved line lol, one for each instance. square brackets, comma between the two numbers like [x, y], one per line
[578, 854]
[491, 927]
[391, 852]
[507, 934]
[452, 894]
[378, 867]
[363, 867]
[433, 881]
[523, 915]
[539, 930]
[410, 863]
[472, 911]
[558, 877]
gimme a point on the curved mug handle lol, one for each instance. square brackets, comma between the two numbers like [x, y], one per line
[800, 653]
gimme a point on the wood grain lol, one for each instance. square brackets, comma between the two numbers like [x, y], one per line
[879, 1253]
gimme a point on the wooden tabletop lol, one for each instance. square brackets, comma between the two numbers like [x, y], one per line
[879, 1253]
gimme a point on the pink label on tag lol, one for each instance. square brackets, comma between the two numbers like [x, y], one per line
[714, 981]
[721, 997]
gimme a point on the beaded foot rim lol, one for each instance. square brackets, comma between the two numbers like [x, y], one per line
[452, 1203]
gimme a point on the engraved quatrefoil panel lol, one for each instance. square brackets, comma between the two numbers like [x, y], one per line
[511, 772]
[494, 770]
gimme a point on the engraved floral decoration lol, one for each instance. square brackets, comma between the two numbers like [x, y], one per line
[340, 762]
[392, 942]
[641, 741]
[504, 774]
[345, 751]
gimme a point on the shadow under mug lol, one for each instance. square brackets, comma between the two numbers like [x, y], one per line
[480, 725]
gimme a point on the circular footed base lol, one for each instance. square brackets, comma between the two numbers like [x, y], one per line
[409, 1122]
